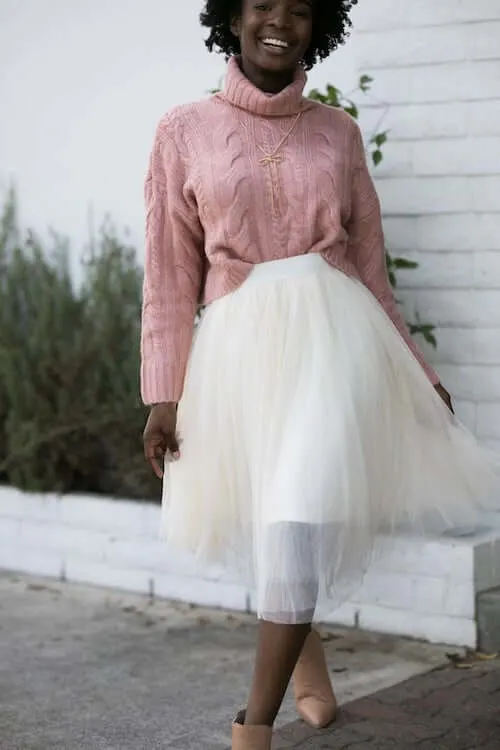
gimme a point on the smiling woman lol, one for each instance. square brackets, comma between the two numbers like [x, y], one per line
[328, 22]
[273, 40]
[309, 420]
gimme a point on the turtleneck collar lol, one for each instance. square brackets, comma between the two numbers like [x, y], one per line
[238, 90]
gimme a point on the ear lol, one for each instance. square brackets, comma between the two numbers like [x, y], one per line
[236, 27]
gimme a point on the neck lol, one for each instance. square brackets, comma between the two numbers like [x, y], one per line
[269, 83]
[242, 92]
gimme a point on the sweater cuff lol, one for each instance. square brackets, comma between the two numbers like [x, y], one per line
[161, 383]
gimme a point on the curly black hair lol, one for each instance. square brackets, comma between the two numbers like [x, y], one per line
[331, 26]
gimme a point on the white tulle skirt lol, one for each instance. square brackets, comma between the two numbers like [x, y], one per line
[307, 428]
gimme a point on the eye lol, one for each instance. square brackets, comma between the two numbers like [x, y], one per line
[263, 6]
[303, 11]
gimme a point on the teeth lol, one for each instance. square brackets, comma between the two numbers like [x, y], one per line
[275, 43]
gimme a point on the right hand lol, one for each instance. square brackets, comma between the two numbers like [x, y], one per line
[443, 393]
[160, 438]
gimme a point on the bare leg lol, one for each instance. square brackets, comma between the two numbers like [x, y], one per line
[278, 649]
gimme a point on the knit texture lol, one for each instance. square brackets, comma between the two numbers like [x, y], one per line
[245, 177]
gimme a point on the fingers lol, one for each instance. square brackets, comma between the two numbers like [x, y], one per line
[157, 449]
[449, 404]
[154, 453]
[445, 396]
[156, 466]
[447, 400]
[173, 447]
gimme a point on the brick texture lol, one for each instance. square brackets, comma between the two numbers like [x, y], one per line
[449, 709]
[436, 70]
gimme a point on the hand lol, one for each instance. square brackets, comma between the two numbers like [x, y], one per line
[443, 393]
[160, 436]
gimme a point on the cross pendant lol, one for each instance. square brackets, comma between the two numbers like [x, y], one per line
[272, 161]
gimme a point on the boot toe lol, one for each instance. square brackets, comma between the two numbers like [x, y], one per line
[317, 713]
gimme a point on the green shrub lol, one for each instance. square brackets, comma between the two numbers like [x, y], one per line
[70, 413]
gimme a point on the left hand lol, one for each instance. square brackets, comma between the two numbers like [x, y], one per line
[443, 393]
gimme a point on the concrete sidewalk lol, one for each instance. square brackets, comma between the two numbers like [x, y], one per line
[88, 669]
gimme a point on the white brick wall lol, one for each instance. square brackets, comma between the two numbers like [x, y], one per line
[388, 14]
[436, 67]
[456, 42]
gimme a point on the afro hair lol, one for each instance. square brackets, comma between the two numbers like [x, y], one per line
[331, 26]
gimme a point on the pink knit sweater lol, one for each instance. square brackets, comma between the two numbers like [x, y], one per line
[245, 177]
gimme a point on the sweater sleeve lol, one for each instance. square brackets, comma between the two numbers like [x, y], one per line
[367, 246]
[173, 269]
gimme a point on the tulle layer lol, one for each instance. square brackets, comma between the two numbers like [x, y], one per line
[307, 429]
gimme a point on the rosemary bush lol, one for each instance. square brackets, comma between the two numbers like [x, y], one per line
[70, 413]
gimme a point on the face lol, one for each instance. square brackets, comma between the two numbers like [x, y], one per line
[274, 35]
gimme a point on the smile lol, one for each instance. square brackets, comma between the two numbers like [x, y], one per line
[275, 43]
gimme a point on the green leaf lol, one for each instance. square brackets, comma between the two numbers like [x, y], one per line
[317, 96]
[380, 138]
[430, 338]
[332, 95]
[365, 83]
[352, 110]
[404, 263]
[425, 330]
[377, 157]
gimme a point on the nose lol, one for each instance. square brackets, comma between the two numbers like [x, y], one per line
[281, 17]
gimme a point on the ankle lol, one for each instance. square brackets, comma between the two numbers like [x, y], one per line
[259, 718]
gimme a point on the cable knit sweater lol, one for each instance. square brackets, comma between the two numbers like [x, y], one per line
[245, 177]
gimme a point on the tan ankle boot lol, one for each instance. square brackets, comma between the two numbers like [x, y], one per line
[249, 736]
[314, 696]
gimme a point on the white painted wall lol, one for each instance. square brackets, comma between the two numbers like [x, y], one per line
[437, 66]
[83, 83]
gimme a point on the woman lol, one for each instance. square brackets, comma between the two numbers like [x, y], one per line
[308, 421]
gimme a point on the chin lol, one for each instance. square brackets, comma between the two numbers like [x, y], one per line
[275, 64]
